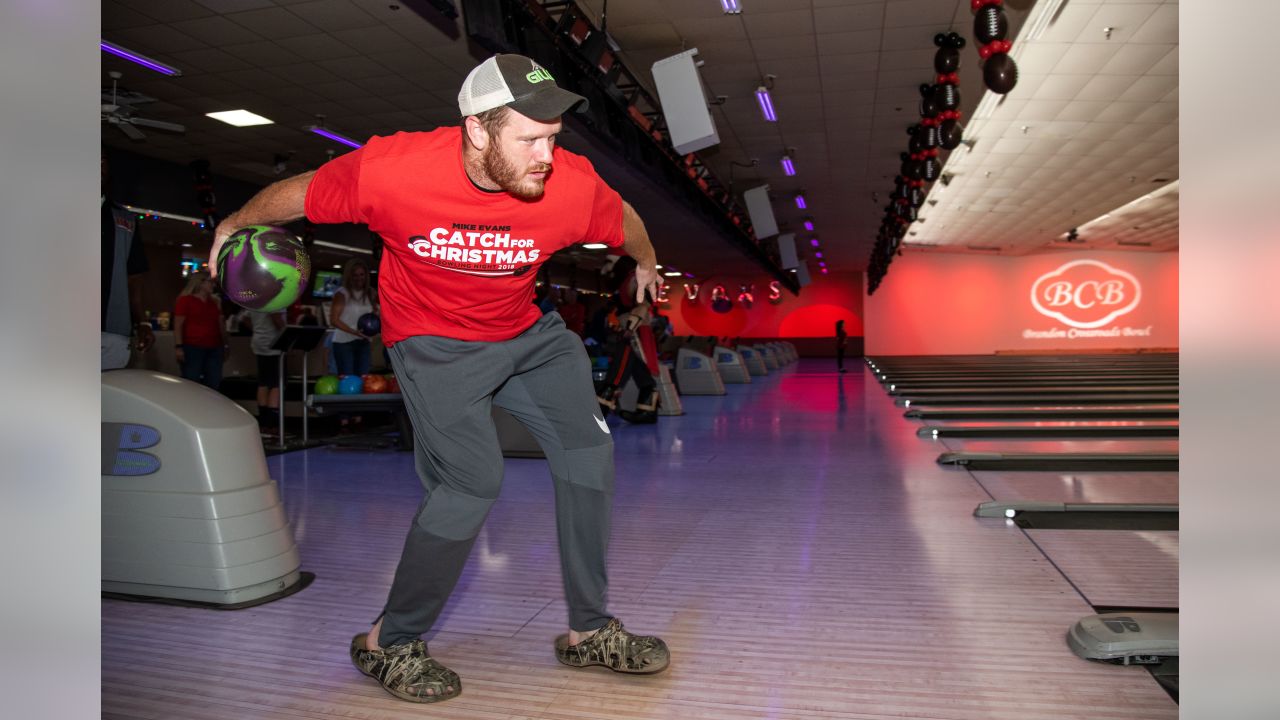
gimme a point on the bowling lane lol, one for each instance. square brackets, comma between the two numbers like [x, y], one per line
[1100, 445]
[1093, 487]
[1116, 568]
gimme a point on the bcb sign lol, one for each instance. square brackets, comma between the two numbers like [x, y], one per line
[1086, 294]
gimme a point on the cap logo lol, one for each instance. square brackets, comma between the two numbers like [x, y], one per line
[538, 75]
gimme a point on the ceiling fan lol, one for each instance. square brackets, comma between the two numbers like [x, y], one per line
[118, 110]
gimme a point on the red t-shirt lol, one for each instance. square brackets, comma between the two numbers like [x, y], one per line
[459, 262]
[203, 327]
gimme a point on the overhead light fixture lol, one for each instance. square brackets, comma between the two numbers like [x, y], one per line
[139, 58]
[340, 246]
[822, 263]
[672, 273]
[595, 246]
[808, 225]
[813, 242]
[800, 203]
[788, 166]
[657, 267]
[731, 7]
[766, 104]
[325, 133]
[240, 118]
[818, 255]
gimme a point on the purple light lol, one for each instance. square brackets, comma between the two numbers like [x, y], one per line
[822, 264]
[688, 275]
[731, 7]
[800, 202]
[766, 104]
[818, 255]
[787, 166]
[808, 225]
[142, 60]
[813, 242]
[334, 136]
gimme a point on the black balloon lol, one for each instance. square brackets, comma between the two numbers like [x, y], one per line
[914, 145]
[990, 24]
[928, 103]
[947, 95]
[928, 135]
[951, 132]
[946, 60]
[1000, 73]
[916, 198]
[913, 169]
[956, 40]
[931, 169]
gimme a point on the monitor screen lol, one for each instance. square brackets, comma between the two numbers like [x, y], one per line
[327, 281]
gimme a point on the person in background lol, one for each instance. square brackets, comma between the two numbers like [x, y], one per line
[572, 312]
[199, 335]
[355, 298]
[841, 336]
[266, 328]
[124, 263]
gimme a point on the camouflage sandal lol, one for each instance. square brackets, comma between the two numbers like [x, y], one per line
[617, 650]
[406, 671]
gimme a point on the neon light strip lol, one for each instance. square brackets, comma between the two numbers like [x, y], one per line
[800, 202]
[766, 104]
[808, 225]
[731, 7]
[333, 136]
[143, 60]
[787, 166]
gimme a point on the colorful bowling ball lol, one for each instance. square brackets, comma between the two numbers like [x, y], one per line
[375, 384]
[263, 268]
[327, 385]
[351, 385]
[393, 384]
[369, 324]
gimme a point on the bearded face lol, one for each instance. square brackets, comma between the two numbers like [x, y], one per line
[523, 177]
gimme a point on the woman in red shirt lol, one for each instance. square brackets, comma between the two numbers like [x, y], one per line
[198, 333]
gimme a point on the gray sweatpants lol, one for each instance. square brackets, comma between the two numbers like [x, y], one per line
[543, 378]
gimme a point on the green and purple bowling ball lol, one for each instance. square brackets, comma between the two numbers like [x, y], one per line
[263, 268]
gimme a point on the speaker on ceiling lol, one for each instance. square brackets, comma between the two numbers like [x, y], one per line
[684, 103]
[761, 212]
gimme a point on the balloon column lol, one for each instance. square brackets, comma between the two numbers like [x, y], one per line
[990, 28]
[939, 129]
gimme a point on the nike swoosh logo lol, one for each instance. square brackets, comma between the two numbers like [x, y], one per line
[603, 426]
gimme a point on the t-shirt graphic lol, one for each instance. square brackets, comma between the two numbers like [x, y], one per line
[459, 262]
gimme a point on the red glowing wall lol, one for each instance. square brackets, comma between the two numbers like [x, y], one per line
[814, 313]
[942, 304]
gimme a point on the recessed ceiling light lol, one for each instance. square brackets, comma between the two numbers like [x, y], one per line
[595, 246]
[239, 118]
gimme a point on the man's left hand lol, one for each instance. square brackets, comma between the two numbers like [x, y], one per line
[647, 280]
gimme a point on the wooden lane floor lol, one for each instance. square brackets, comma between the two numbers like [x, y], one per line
[795, 543]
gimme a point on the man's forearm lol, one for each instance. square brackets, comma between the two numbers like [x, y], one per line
[276, 204]
[635, 239]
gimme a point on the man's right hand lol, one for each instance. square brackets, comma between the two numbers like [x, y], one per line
[220, 236]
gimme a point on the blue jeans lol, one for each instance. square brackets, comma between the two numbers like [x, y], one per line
[203, 365]
[353, 357]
